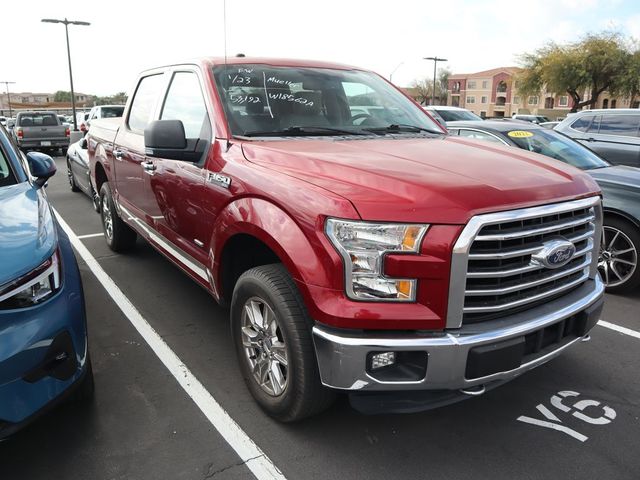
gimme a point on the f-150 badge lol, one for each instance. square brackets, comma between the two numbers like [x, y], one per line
[217, 179]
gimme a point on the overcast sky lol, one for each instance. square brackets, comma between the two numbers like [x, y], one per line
[126, 37]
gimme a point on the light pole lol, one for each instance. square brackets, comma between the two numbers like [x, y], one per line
[6, 84]
[66, 29]
[435, 64]
[394, 71]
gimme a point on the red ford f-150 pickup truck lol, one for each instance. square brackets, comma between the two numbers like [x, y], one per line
[359, 247]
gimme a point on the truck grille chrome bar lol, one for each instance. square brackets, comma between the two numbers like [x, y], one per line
[493, 273]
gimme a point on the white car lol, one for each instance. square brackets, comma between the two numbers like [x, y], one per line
[444, 114]
[105, 111]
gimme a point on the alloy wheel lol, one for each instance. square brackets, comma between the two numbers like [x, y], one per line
[264, 346]
[107, 220]
[618, 257]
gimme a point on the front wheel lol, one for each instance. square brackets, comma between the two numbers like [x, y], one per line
[618, 260]
[119, 236]
[72, 179]
[272, 335]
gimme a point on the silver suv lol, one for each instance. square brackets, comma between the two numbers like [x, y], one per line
[612, 134]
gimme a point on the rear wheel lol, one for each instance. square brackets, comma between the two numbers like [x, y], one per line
[72, 180]
[618, 260]
[119, 236]
[272, 335]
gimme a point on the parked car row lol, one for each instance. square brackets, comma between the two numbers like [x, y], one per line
[362, 248]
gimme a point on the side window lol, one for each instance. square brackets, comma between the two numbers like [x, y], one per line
[624, 125]
[144, 101]
[185, 102]
[582, 124]
[479, 136]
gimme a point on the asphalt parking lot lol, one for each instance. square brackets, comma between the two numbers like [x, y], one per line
[575, 417]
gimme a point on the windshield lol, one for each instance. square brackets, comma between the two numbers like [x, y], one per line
[6, 175]
[112, 112]
[262, 99]
[456, 115]
[555, 145]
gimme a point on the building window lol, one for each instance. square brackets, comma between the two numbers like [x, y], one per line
[502, 87]
[613, 103]
[483, 100]
[471, 99]
[501, 101]
[533, 100]
[563, 101]
[456, 87]
[516, 100]
[471, 84]
[485, 85]
[605, 103]
[548, 102]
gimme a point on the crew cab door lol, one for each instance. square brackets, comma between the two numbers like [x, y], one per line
[130, 163]
[176, 186]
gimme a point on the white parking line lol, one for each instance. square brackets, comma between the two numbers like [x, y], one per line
[618, 328]
[90, 235]
[254, 458]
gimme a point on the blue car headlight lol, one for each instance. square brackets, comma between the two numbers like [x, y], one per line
[34, 287]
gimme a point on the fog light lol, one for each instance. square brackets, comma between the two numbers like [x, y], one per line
[383, 359]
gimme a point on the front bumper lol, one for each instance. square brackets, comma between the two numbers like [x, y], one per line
[43, 349]
[49, 143]
[470, 357]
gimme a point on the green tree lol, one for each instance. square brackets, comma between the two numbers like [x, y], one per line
[629, 84]
[62, 96]
[594, 64]
[423, 87]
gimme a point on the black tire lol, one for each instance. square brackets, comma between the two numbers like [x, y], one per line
[118, 235]
[304, 395]
[63, 151]
[71, 177]
[629, 235]
[85, 391]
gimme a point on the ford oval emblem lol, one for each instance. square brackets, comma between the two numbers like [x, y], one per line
[554, 253]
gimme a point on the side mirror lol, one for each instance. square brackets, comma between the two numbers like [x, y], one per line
[83, 144]
[42, 167]
[166, 139]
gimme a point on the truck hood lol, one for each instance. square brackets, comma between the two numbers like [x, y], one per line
[619, 174]
[27, 233]
[432, 180]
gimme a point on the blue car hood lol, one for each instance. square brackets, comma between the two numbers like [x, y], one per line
[27, 232]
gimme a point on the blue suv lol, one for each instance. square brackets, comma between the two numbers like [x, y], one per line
[43, 332]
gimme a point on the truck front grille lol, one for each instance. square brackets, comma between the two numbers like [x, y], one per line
[499, 277]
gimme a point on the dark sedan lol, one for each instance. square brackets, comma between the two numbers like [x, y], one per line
[620, 186]
[78, 170]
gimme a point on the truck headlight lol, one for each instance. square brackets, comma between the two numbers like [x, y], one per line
[363, 245]
[34, 287]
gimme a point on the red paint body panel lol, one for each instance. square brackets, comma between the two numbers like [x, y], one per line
[282, 191]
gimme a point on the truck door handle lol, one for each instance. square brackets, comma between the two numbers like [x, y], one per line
[119, 154]
[591, 139]
[148, 166]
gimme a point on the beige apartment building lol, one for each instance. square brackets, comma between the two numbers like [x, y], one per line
[493, 93]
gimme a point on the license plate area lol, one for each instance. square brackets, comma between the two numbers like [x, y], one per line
[45, 143]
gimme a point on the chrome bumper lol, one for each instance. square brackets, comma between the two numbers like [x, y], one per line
[342, 356]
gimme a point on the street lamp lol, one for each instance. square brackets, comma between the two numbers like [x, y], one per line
[66, 29]
[6, 84]
[435, 64]
[394, 71]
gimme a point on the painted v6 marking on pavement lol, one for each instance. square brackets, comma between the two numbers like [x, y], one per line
[607, 414]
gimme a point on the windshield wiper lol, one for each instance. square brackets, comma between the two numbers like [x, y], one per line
[402, 127]
[303, 131]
